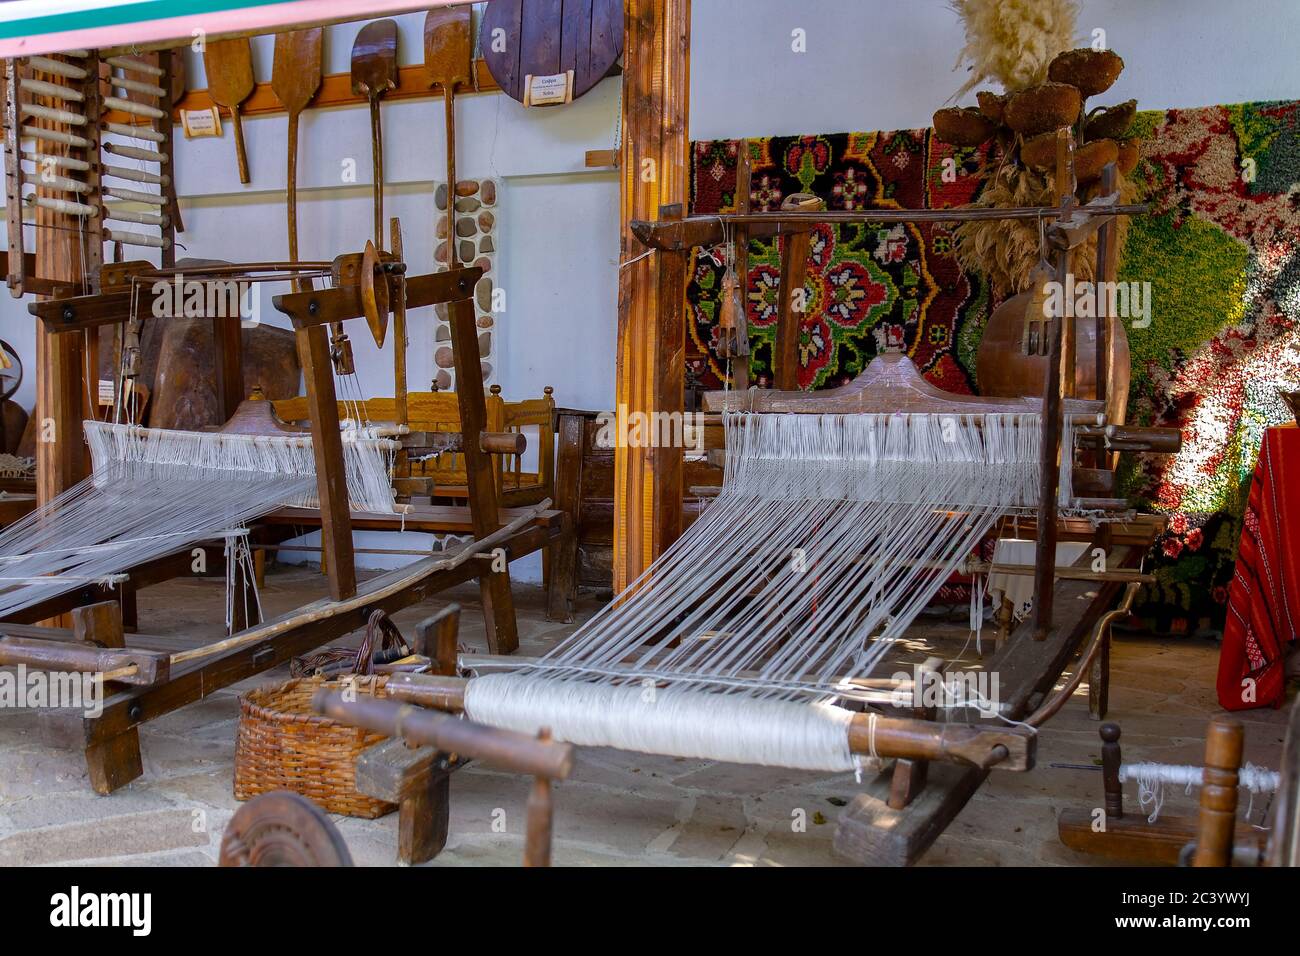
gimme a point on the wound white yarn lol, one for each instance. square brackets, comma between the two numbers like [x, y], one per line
[1151, 779]
[728, 727]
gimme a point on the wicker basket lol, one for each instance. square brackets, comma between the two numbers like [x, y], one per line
[284, 745]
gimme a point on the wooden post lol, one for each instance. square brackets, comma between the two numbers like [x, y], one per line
[494, 586]
[1055, 388]
[744, 192]
[651, 334]
[435, 638]
[540, 813]
[114, 762]
[1110, 763]
[228, 361]
[1218, 819]
[794, 272]
[571, 430]
[327, 448]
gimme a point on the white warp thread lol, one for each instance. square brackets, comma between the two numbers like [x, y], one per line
[154, 492]
[727, 727]
[123, 453]
[830, 534]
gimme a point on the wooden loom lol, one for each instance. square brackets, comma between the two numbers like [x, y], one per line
[907, 807]
[144, 683]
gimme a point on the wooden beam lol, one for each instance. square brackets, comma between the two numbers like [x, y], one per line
[651, 338]
[494, 585]
[327, 449]
[324, 306]
[710, 230]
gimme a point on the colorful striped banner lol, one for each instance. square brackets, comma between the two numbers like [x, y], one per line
[29, 27]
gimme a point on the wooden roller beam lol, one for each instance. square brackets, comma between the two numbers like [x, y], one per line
[324, 306]
[504, 749]
[1003, 748]
[128, 666]
[707, 231]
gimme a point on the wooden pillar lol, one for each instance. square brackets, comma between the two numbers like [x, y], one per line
[327, 448]
[1058, 384]
[494, 585]
[649, 375]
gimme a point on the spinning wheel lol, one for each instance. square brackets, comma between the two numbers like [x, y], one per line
[282, 829]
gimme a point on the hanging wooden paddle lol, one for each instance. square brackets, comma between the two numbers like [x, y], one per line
[448, 52]
[230, 81]
[374, 72]
[295, 78]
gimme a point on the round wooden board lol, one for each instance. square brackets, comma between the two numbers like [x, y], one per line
[548, 37]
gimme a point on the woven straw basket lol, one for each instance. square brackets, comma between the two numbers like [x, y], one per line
[284, 745]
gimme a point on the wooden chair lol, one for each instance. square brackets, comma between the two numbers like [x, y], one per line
[438, 412]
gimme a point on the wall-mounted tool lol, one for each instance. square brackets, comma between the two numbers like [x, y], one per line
[374, 73]
[230, 81]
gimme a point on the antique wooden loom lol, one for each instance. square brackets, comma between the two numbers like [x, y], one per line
[80, 295]
[906, 807]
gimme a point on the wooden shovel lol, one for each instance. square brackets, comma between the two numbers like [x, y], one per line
[448, 54]
[374, 72]
[230, 81]
[295, 78]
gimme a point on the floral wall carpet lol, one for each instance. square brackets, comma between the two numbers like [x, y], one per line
[1221, 250]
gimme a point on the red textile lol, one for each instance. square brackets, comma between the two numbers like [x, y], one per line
[1264, 596]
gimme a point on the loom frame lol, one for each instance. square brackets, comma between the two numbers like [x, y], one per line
[903, 811]
[152, 684]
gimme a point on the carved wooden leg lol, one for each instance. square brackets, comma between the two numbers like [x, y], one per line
[1218, 818]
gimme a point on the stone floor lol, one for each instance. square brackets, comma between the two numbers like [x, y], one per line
[616, 809]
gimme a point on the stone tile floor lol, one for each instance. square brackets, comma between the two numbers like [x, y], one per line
[617, 809]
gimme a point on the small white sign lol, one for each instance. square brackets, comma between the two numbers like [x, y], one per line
[201, 122]
[552, 90]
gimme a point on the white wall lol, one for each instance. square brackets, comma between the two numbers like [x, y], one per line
[887, 64]
[870, 64]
